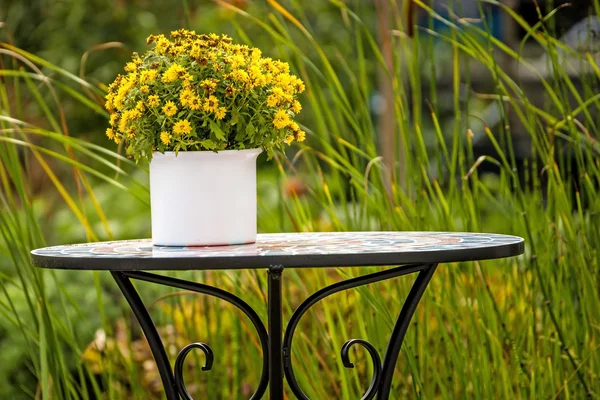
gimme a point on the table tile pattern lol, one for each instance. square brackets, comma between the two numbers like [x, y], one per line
[298, 245]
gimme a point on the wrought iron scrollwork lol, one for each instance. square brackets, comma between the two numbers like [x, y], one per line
[174, 384]
[381, 381]
[181, 359]
[372, 390]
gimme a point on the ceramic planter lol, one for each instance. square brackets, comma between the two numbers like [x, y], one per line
[203, 198]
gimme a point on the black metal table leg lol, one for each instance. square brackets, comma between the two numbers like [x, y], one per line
[277, 352]
[145, 321]
[275, 323]
[382, 377]
[173, 383]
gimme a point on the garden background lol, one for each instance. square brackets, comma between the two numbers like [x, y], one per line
[420, 116]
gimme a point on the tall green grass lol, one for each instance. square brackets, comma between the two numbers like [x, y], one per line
[526, 327]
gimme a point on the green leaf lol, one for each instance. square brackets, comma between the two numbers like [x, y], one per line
[235, 117]
[250, 130]
[208, 144]
[216, 129]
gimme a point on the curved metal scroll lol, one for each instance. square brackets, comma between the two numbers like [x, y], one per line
[372, 390]
[181, 359]
[174, 383]
[380, 380]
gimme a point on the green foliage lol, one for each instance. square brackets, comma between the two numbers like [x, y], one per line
[517, 328]
[202, 92]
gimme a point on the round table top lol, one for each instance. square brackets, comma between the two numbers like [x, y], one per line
[290, 250]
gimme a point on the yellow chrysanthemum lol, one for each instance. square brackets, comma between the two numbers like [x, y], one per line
[140, 106]
[145, 89]
[300, 136]
[110, 105]
[182, 127]
[148, 76]
[186, 96]
[209, 85]
[130, 133]
[162, 45]
[195, 104]
[110, 133]
[130, 67]
[281, 120]
[289, 139]
[124, 122]
[272, 100]
[173, 73]
[211, 104]
[153, 100]
[239, 75]
[169, 109]
[230, 91]
[299, 86]
[220, 113]
[165, 137]
[113, 119]
[296, 107]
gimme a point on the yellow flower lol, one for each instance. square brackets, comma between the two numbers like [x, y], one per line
[220, 113]
[173, 73]
[281, 120]
[109, 105]
[238, 61]
[169, 109]
[117, 139]
[280, 94]
[300, 136]
[110, 133]
[130, 67]
[148, 76]
[230, 91]
[195, 103]
[113, 119]
[182, 127]
[239, 76]
[211, 104]
[123, 123]
[162, 45]
[140, 106]
[153, 100]
[272, 100]
[145, 89]
[289, 139]
[209, 85]
[299, 86]
[165, 137]
[296, 107]
[186, 96]
[282, 66]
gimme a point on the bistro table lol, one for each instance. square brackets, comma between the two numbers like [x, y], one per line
[409, 252]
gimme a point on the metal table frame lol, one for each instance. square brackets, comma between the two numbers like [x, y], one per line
[277, 349]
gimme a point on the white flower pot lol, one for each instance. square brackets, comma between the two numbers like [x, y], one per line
[202, 198]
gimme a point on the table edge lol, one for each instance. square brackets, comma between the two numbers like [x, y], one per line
[287, 261]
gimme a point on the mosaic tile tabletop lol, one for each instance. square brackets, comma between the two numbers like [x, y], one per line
[286, 249]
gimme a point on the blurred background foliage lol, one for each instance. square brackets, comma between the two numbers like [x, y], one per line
[464, 116]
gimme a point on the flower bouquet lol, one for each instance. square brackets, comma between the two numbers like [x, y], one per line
[200, 109]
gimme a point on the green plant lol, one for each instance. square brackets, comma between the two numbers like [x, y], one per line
[201, 92]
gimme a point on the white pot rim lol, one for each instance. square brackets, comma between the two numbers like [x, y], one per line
[209, 153]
